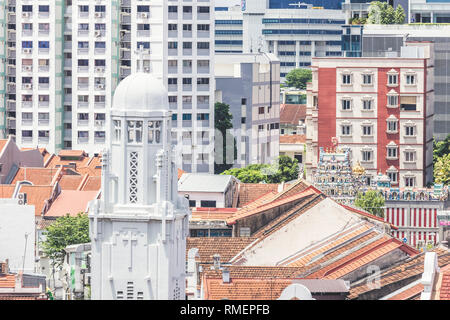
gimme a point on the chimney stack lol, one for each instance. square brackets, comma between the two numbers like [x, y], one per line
[216, 259]
[225, 276]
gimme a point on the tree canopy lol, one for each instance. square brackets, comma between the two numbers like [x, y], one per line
[384, 13]
[282, 170]
[64, 232]
[442, 170]
[298, 78]
[371, 201]
[223, 122]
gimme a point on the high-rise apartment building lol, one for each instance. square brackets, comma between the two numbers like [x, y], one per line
[63, 59]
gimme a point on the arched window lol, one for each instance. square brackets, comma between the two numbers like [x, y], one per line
[154, 132]
[134, 131]
[117, 130]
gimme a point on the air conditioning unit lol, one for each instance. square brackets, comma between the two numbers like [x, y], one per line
[99, 69]
[21, 199]
[147, 69]
[28, 86]
[144, 15]
[101, 86]
[98, 15]
[99, 123]
[98, 33]
[25, 14]
[28, 68]
[27, 50]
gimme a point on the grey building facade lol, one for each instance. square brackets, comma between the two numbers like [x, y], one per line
[250, 85]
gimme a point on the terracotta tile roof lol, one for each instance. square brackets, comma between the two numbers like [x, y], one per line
[44, 223]
[267, 206]
[8, 281]
[72, 202]
[292, 113]
[37, 196]
[2, 144]
[72, 153]
[249, 192]
[292, 138]
[212, 213]
[409, 293]
[252, 272]
[69, 182]
[305, 258]
[295, 188]
[89, 171]
[412, 269]
[6, 191]
[245, 289]
[37, 176]
[180, 173]
[445, 284]
[227, 248]
[367, 214]
[93, 184]
[56, 161]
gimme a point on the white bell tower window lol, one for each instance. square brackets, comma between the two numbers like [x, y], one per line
[134, 131]
[117, 130]
[133, 177]
[154, 132]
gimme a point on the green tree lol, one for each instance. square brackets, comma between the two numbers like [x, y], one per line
[372, 202]
[223, 122]
[283, 169]
[441, 148]
[298, 78]
[442, 170]
[384, 13]
[64, 232]
[399, 15]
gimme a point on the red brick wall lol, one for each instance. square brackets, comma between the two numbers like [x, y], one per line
[327, 106]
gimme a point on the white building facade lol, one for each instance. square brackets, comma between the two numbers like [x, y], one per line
[138, 229]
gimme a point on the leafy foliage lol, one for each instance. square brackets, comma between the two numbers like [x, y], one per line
[384, 13]
[442, 170]
[64, 232]
[372, 202]
[283, 170]
[298, 78]
[441, 148]
[222, 122]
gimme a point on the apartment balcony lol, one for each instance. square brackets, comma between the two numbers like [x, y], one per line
[27, 86]
[203, 16]
[145, 33]
[202, 105]
[43, 140]
[27, 139]
[203, 70]
[173, 34]
[44, 15]
[99, 124]
[99, 69]
[187, 15]
[173, 105]
[187, 34]
[83, 86]
[44, 68]
[99, 50]
[27, 51]
[67, 116]
[203, 123]
[172, 70]
[43, 33]
[203, 34]
[203, 87]
[44, 86]
[100, 87]
[27, 68]
[83, 140]
[68, 63]
[43, 104]
[173, 16]
[67, 99]
[27, 33]
[172, 88]
[172, 52]
[44, 50]
[187, 87]
[99, 140]
[187, 105]
[83, 123]
[11, 105]
[82, 51]
[43, 122]
[100, 105]
[68, 134]
[187, 123]
[27, 104]
[27, 122]
[187, 52]
[83, 69]
[187, 70]
[203, 52]
[83, 33]
[83, 14]
[83, 105]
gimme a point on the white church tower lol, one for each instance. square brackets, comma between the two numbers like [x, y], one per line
[139, 227]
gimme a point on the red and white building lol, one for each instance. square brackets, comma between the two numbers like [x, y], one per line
[381, 108]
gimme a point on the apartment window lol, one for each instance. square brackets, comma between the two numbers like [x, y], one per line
[392, 152]
[44, 8]
[261, 110]
[346, 104]
[187, 45]
[203, 9]
[203, 81]
[392, 125]
[346, 130]
[172, 45]
[143, 8]
[143, 44]
[367, 104]
[410, 131]
[172, 81]
[207, 204]
[392, 79]
[187, 9]
[171, 27]
[410, 156]
[393, 176]
[346, 79]
[393, 101]
[203, 27]
[408, 103]
[410, 79]
[173, 9]
[367, 79]
[187, 81]
[202, 45]
[203, 116]
[154, 132]
[187, 27]
[367, 130]
[27, 133]
[187, 116]
[410, 181]
[367, 156]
